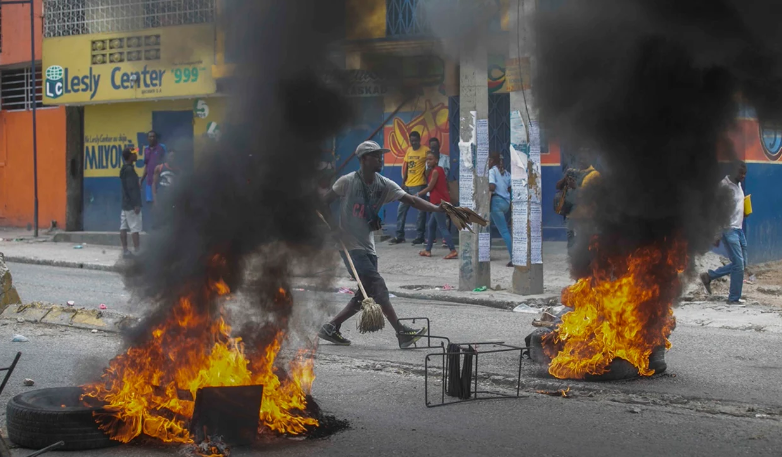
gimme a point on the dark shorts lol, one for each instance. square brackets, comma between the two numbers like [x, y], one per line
[366, 266]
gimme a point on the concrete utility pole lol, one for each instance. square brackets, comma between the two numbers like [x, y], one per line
[525, 152]
[475, 268]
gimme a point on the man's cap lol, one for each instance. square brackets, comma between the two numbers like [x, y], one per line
[369, 146]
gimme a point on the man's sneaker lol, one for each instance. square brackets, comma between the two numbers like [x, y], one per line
[418, 241]
[330, 333]
[396, 241]
[706, 280]
[737, 302]
[408, 336]
[127, 255]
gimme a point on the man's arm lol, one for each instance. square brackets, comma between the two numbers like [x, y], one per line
[421, 204]
[330, 197]
[404, 172]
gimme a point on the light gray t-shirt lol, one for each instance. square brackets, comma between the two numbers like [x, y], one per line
[353, 214]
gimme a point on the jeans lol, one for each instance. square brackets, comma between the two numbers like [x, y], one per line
[437, 221]
[500, 206]
[401, 216]
[736, 245]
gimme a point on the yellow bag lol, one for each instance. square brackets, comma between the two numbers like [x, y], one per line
[747, 205]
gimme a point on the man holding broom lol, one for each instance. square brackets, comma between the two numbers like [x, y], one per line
[363, 193]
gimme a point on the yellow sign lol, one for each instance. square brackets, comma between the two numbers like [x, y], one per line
[110, 128]
[150, 64]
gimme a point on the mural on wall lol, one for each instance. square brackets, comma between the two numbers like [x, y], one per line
[432, 122]
[755, 140]
[496, 74]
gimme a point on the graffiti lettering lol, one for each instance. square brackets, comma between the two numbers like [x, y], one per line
[431, 123]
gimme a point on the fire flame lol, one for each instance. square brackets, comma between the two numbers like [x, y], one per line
[624, 310]
[150, 389]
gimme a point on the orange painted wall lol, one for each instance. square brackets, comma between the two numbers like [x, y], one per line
[16, 34]
[16, 167]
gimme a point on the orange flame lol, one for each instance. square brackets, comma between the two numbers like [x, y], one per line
[150, 389]
[624, 310]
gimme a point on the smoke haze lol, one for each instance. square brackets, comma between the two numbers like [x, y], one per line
[255, 189]
[652, 88]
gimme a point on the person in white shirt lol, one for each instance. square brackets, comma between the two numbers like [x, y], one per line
[499, 185]
[733, 237]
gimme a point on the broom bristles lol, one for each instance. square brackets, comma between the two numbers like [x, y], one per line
[371, 318]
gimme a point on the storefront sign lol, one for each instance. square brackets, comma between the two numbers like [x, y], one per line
[152, 64]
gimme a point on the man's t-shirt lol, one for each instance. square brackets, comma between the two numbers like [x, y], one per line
[416, 166]
[501, 182]
[153, 156]
[353, 214]
[737, 197]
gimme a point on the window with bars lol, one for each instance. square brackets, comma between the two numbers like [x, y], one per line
[77, 17]
[16, 89]
[406, 18]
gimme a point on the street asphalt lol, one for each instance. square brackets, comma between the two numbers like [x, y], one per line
[721, 395]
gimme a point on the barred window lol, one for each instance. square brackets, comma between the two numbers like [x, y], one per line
[16, 89]
[77, 17]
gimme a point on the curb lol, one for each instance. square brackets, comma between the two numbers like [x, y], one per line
[62, 263]
[90, 319]
[498, 303]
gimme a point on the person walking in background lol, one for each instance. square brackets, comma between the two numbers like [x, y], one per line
[438, 192]
[362, 194]
[499, 185]
[444, 161]
[130, 217]
[414, 180]
[733, 238]
[154, 155]
[165, 177]
[575, 179]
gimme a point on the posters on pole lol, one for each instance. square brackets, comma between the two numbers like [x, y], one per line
[535, 235]
[484, 247]
[535, 195]
[519, 149]
[466, 161]
[482, 153]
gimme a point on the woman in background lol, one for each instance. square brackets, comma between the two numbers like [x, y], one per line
[437, 189]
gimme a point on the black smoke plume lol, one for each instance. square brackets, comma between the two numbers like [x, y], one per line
[255, 188]
[652, 88]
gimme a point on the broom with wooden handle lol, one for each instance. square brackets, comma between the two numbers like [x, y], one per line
[371, 318]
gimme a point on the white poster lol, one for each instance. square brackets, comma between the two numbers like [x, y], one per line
[482, 149]
[519, 187]
[536, 232]
[484, 247]
[466, 164]
[520, 234]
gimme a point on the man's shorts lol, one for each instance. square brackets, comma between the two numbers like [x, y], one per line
[148, 192]
[130, 221]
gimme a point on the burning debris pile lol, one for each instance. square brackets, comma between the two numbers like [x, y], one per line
[650, 89]
[248, 205]
[151, 388]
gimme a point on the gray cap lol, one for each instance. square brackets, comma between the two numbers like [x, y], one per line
[369, 146]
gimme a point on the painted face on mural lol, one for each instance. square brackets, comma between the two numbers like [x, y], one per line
[415, 140]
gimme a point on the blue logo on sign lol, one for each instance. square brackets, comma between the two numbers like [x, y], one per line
[771, 139]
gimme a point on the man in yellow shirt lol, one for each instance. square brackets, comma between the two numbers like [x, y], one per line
[413, 181]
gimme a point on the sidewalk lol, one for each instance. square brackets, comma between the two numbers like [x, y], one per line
[410, 276]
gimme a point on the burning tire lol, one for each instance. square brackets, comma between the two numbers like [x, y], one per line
[39, 418]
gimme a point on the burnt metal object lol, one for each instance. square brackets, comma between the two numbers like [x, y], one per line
[231, 412]
[445, 341]
[9, 370]
[460, 372]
